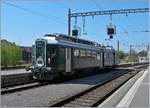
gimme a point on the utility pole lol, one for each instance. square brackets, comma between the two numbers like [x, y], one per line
[69, 22]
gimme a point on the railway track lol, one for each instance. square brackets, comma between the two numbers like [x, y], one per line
[33, 85]
[22, 87]
[94, 95]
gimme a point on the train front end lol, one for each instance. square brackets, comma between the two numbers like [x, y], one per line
[39, 68]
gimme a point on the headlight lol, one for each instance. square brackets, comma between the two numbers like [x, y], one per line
[40, 62]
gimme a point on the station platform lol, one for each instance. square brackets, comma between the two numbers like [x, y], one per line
[141, 97]
[15, 77]
[134, 93]
[14, 71]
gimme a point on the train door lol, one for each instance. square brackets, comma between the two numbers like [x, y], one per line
[68, 59]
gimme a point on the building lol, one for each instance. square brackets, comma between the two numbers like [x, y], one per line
[143, 56]
[26, 54]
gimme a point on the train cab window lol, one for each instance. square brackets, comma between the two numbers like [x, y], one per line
[82, 53]
[76, 52]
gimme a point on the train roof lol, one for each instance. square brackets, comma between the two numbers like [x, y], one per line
[62, 39]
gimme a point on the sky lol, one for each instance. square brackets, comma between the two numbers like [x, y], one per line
[23, 21]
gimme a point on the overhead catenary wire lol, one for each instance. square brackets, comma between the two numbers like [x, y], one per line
[56, 19]
[97, 5]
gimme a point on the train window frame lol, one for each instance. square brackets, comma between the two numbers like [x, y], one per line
[88, 53]
[93, 54]
[82, 53]
[76, 52]
[98, 57]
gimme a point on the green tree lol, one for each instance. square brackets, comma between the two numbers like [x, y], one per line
[10, 53]
[122, 55]
[133, 56]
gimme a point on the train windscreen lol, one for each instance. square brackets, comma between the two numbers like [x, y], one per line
[40, 53]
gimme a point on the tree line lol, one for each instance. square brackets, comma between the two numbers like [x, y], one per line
[131, 56]
[10, 54]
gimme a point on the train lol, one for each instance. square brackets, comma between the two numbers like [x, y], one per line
[56, 55]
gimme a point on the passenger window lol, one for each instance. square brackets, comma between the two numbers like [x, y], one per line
[98, 56]
[93, 54]
[82, 53]
[76, 52]
[88, 53]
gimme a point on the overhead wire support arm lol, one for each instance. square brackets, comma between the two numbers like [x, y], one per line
[110, 12]
[104, 12]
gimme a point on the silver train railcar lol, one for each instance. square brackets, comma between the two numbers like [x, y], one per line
[57, 54]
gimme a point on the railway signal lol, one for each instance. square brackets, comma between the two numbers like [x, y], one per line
[111, 30]
[75, 32]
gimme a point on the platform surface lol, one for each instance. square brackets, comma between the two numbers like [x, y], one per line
[14, 71]
[141, 97]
